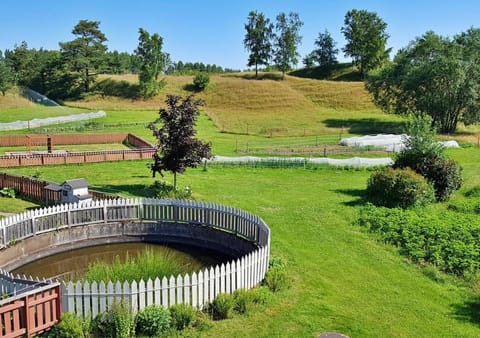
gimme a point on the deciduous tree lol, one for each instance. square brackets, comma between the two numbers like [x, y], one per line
[433, 76]
[287, 40]
[177, 146]
[85, 54]
[366, 37]
[258, 40]
[326, 53]
[152, 62]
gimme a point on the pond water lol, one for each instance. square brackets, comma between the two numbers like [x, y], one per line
[71, 265]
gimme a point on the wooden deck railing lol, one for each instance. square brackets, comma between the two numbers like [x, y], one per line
[30, 313]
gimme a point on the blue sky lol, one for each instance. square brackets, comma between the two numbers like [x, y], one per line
[212, 31]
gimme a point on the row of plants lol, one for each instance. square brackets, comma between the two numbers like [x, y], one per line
[448, 240]
[156, 321]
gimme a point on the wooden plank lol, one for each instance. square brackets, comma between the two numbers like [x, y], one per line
[141, 295]
[94, 291]
[211, 285]
[222, 278]
[110, 294]
[171, 295]
[195, 290]
[149, 291]
[78, 298]
[102, 298]
[134, 296]
[164, 292]
[157, 292]
[87, 305]
[228, 278]
[179, 290]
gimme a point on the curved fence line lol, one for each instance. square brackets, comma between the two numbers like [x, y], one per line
[196, 289]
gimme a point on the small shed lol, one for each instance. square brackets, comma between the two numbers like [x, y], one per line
[70, 191]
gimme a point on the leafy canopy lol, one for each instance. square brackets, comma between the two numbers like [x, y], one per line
[152, 62]
[427, 157]
[326, 53]
[433, 76]
[177, 147]
[85, 54]
[287, 40]
[366, 37]
[258, 40]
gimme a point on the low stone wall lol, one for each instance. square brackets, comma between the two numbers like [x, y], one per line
[50, 243]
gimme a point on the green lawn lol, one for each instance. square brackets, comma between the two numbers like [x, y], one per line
[24, 113]
[342, 279]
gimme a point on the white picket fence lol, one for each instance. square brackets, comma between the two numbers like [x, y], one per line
[197, 289]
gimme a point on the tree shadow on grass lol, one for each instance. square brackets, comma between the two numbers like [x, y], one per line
[359, 196]
[366, 126]
[138, 190]
[468, 311]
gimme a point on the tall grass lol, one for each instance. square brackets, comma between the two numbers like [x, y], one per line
[146, 265]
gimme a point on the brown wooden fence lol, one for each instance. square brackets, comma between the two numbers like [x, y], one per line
[75, 157]
[144, 149]
[35, 189]
[30, 313]
[65, 139]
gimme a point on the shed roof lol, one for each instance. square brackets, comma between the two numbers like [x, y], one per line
[76, 183]
[53, 187]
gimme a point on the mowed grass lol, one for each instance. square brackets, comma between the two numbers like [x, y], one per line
[342, 280]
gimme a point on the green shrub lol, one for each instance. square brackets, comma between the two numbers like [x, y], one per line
[123, 319]
[221, 307]
[201, 81]
[473, 192]
[276, 277]
[153, 320]
[102, 326]
[183, 315]
[243, 299]
[69, 326]
[165, 190]
[276, 280]
[7, 192]
[116, 322]
[444, 174]
[261, 295]
[426, 156]
[399, 188]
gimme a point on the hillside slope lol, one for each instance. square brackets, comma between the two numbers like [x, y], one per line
[269, 107]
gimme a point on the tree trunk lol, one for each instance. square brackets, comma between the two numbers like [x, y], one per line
[86, 80]
[175, 180]
[256, 70]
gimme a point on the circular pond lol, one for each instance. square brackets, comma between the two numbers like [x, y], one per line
[72, 265]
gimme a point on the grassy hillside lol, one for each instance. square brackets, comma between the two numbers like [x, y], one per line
[267, 107]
